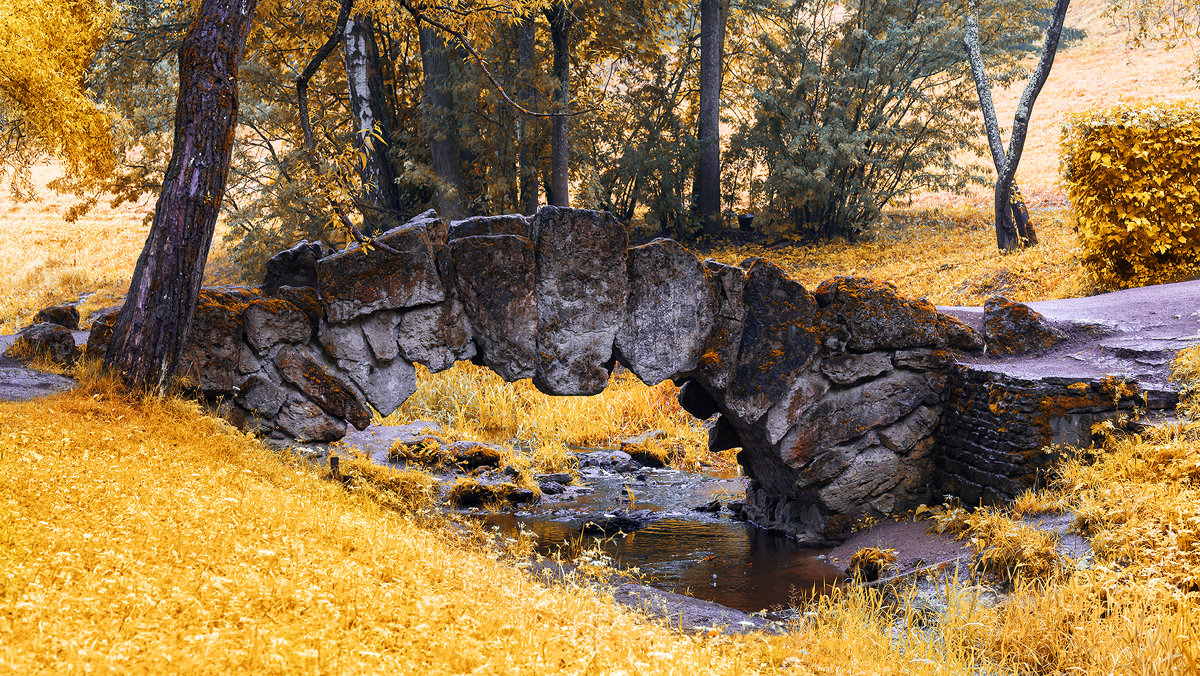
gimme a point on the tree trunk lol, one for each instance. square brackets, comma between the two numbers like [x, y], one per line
[161, 300]
[380, 198]
[706, 189]
[1016, 229]
[1013, 228]
[438, 104]
[526, 151]
[560, 25]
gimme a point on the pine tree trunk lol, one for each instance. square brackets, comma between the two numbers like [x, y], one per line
[438, 107]
[380, 198]
[526, 151]
[706, 189]
[559, 144]
[161, 301]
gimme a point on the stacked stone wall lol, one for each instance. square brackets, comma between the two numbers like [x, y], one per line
[1000, 435]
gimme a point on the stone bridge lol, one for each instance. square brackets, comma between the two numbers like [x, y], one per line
[836, 395]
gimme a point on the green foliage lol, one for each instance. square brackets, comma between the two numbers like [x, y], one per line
[1131, 178]
[858, 104]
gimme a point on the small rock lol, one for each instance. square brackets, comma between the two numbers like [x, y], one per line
[711, 507]
[1015, 328]
[738, 508]
[472, 454]
[551, 487]
[613, 461]
[619, 521]
[556, 477]
[63, 315]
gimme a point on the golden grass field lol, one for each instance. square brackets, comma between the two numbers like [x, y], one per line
[142, 535]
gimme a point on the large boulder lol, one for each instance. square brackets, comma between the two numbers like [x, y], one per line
[1015, 328]
[354, 283]
[43, 342]
[385, 384]
[878, 318]
[669, 313]
[582, 284]
[719, 356]
[780, 337]
[305, 421]
[212, 359]
[271, 321]
[493, 277]
[507, 224]
[317, 380]
[436, 335]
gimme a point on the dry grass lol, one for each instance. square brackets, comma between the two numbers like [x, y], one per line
[46, 260]
[947, 255]
[471, 402]
[140, 535]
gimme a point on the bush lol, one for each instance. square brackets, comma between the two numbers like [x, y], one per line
[1131, 174]
[858, 103]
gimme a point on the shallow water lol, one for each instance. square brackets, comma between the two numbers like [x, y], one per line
[707, 556]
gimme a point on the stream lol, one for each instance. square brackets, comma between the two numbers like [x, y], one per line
[710, 556]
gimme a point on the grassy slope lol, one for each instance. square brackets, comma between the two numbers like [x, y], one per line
[128, 545]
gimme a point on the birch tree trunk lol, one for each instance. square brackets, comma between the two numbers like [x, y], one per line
[380, 198]
[706, 188]
[161, 301]
[1013, 228]
[438, 107]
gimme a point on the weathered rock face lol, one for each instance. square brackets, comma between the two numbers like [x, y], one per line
[670, 312]
[354, 284]
[1014, 328]
[582, 283]
[834, 396]
[296, 267]
[509, 224]
[493, 277]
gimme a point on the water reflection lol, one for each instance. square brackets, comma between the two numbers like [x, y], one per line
[729, 562]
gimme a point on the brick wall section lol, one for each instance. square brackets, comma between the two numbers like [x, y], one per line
[999, 434]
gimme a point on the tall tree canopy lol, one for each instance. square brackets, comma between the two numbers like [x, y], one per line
[46, 49]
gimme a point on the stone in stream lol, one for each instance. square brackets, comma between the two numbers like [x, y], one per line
[619, 521]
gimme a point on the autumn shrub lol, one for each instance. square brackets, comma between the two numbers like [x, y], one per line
[1131, 175]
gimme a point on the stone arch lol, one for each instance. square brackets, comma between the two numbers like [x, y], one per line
[833, 394]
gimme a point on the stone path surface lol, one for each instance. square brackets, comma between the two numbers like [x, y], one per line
[1133, 333]
[21, 383]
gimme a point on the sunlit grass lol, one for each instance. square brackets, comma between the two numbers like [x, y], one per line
[472, 402]
[947, 255]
